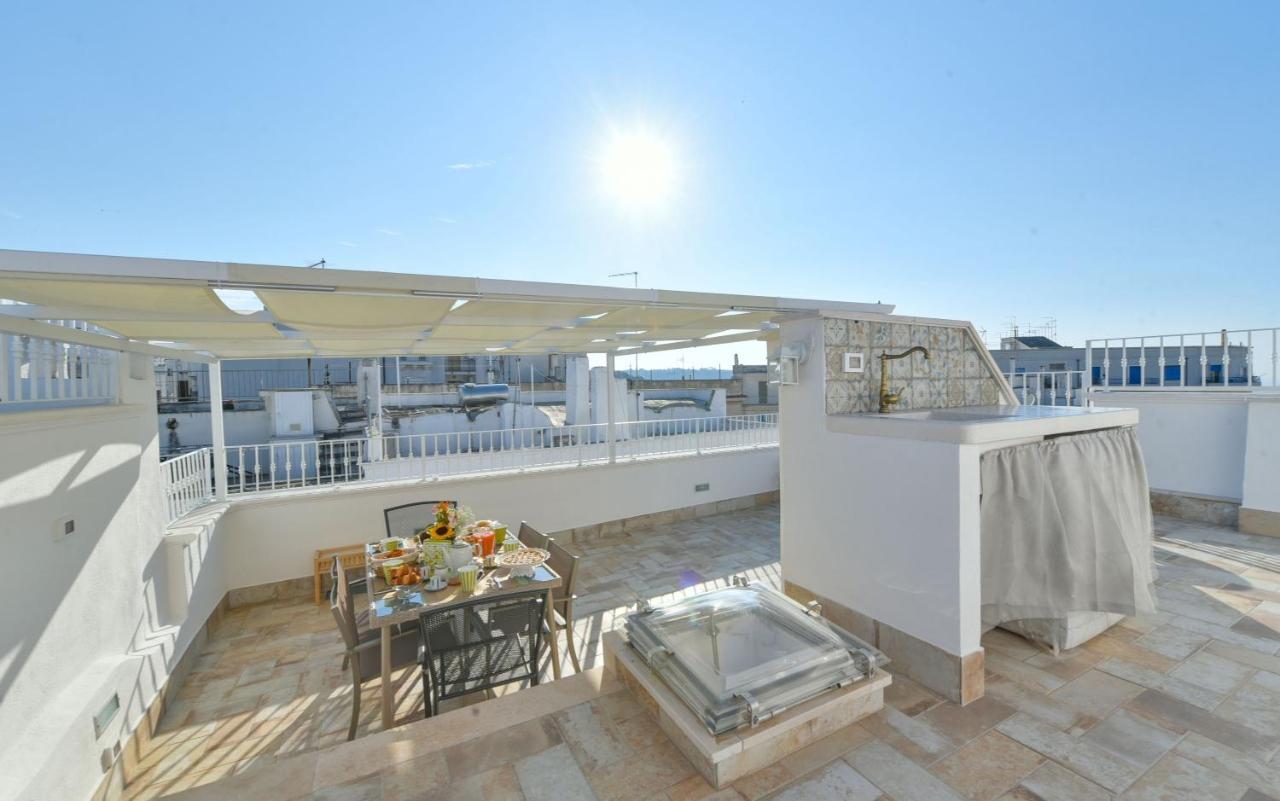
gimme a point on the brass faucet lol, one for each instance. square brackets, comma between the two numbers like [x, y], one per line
[890, 399]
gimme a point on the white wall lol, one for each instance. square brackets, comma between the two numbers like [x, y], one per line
[195, 430]
[878, 524]
[1193, 442]
[1262, 455]
[275, 539]
[83, 617]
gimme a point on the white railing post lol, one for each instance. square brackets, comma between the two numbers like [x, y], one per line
[610, 412]
[1086, 382]
[219, 433]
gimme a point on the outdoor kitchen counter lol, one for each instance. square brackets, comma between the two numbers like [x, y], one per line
[982, 424]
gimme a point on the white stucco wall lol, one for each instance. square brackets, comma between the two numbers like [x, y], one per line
[242, 427]
[84, 617]
[1262, 454]
[877, 524]
[1193, 442]
[274, 539]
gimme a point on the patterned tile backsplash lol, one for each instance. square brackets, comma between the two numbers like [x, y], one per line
[953, 375]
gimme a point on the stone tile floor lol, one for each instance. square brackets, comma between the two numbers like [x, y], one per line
[1184, 704]
[269, 682]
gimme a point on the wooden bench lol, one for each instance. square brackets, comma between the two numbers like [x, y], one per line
[352, 557]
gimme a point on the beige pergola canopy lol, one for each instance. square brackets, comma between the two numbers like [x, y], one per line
[174, 308]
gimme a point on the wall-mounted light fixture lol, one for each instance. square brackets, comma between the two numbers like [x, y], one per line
[784, 369]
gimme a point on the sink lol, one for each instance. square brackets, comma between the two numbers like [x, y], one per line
[976, 424]
[972, 414]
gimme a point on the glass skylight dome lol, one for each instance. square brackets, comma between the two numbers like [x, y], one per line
[742, 655]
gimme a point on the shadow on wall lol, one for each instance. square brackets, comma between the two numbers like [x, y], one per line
[68, 604]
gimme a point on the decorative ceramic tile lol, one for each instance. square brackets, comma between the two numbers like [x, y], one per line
[880, 335]
[835, 331]
[901, 369]
[955, 339]
[839, 396]
[937, 340]
[937, 367]
[835, 362]
[860, 401]
[920, 336]
[900, 335]
[972, 391]
[922, 394]
[859, 334]
[955, 391]
[972, 368]
[990, 392]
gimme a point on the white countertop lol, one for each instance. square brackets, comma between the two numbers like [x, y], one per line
[979, 424]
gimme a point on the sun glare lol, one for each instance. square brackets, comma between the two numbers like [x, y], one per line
[638, 170]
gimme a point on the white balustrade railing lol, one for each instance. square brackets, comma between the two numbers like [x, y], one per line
[296, 464]
[1242, 358]
[187, 482]
[1049, 387]
[41, 373]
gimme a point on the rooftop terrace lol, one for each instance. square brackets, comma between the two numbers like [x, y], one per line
[159, 644]
[1182, 704]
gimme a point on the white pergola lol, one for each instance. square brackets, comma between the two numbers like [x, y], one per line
[173, 308]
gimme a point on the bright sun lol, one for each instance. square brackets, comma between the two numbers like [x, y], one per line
[639, 170]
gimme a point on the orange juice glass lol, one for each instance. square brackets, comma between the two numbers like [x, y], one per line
[485, 537]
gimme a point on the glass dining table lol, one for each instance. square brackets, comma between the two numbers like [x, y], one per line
[391, 605]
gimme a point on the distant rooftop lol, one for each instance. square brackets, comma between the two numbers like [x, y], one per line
[1032, 342]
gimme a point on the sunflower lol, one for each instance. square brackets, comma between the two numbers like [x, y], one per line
[441, 531]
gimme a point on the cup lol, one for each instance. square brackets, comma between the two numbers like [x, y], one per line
[510, 545]
[437, 582]
[499, 535]
[467, 576]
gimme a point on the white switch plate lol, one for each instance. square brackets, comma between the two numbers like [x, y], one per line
[853, 362]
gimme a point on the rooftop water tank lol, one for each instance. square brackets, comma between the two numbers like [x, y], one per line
[473, 396]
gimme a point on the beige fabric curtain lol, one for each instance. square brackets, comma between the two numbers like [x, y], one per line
[1066, 527]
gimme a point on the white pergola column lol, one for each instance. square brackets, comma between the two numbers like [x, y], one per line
[611, 412]
[219, 433]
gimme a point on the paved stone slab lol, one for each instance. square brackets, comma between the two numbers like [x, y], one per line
[553, 775]
[1052, 782]
[1175, 778]
[1184, 716]
[839, 782]
[987, 766]
[1082, 757]
[898, 776]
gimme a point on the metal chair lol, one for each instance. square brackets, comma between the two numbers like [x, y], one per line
[562, 597]
[408, 519]
[532, 538]
[363, 654]
[480, 644]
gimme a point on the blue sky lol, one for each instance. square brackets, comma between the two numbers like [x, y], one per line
[1114, 165]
